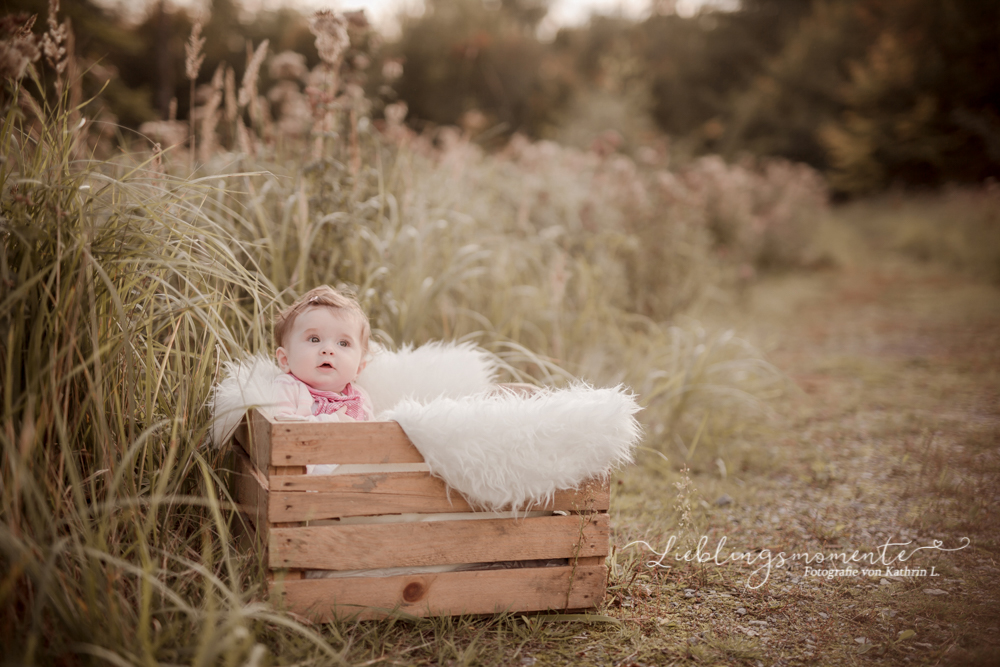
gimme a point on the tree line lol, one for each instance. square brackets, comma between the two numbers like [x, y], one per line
[874, 92]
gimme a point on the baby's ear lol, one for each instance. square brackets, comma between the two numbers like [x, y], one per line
[361, 366]
[282, 358]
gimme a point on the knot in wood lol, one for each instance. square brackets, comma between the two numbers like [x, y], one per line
[413, 592]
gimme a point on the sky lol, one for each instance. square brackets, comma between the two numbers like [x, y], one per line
[561, 12]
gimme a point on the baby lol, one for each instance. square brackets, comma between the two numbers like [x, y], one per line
[322, 341]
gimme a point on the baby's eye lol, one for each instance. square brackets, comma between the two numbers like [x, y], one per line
[313, 339]
[345, 343]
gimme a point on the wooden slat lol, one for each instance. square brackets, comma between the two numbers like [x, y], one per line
[275, 474]
[240, 435]
[308, 443]
[372, 546]
[308, 498]
[249, 490]
[254, 434]
[285, 471]
[447, 593]
[590, 560]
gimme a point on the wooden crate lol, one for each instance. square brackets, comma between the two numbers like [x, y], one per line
[285, 505]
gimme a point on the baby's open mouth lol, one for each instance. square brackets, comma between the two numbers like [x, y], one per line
[326, 364]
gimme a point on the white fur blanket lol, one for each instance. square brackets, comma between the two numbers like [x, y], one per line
[498, 448]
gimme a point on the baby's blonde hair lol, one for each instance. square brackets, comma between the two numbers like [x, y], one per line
[323, 296]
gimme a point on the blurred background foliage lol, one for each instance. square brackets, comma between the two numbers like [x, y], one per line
[873, 92]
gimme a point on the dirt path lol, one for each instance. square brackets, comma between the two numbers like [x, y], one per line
[892, 435]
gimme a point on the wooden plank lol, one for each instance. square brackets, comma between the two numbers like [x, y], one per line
[447, 593]
[250, 489]
[372, 546]
[307, 498]
[254, 435]
[307, 443]
[590, 560]
[285, 471]
[275, 474]
[241, 436]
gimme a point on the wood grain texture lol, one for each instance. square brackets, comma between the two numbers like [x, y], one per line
[447, 593]
[254, 434]
[308, 498]
[275, 473]
[591, 560]
[250, 494]
[285, 471]
[308, 443]
[371, 546]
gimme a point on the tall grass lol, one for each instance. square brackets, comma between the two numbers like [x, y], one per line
[958, 228]
[126, 281]
[116, 289]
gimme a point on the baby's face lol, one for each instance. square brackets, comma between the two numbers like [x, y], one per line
[323, 349]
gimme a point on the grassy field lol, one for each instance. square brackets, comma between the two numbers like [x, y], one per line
[128, 276]
[885, 429]
[806, 385]
[888, 433]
